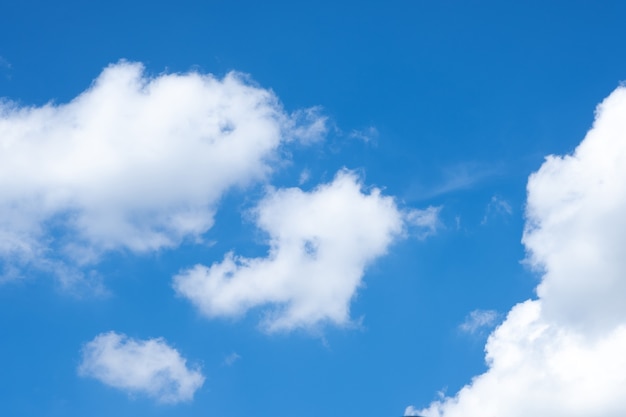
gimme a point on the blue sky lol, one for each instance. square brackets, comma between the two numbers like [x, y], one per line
[225, 208]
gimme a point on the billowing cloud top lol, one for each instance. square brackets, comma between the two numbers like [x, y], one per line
[320, 242]
[150, 367]
[576, 229]
[563, 354]
[134, 162]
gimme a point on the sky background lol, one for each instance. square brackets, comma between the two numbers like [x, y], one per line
[449, 105]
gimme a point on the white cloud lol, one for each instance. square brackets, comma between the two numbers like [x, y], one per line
[563, 354]
[457, 177]
[478, 320]
[305, 176]
[150, 367]
[367, 135]
[425, 222]
[135, 162]
[320, 244]
[497, 207]
[576, 229]
[231, 359]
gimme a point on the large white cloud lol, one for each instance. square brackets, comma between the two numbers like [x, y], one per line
[320, 243]
[564, 353]
[134, 162]
[149, 367]
[576, 227]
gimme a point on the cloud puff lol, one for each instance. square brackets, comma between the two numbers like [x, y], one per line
[563, 354]
[149, 367]
[320, 244]
[496, 207]
[478, 320]
[367, 135]
[134, 162]
[424, 222]
[231, 359]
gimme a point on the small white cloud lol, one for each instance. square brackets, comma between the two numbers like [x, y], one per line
[148, 367]
[231, 359]
[497, 207]
[320, 244]
[478, 320]
[305, 176]
[367, 135]
[462, 176]
[563, 353]
[135, 162]
[424, 222]
[307, 125]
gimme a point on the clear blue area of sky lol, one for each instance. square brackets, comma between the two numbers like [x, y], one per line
[467, 98]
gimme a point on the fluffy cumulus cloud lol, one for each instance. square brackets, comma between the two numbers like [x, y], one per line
[134, 162]
[320, 242]
[563, 353]
[148, 367]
